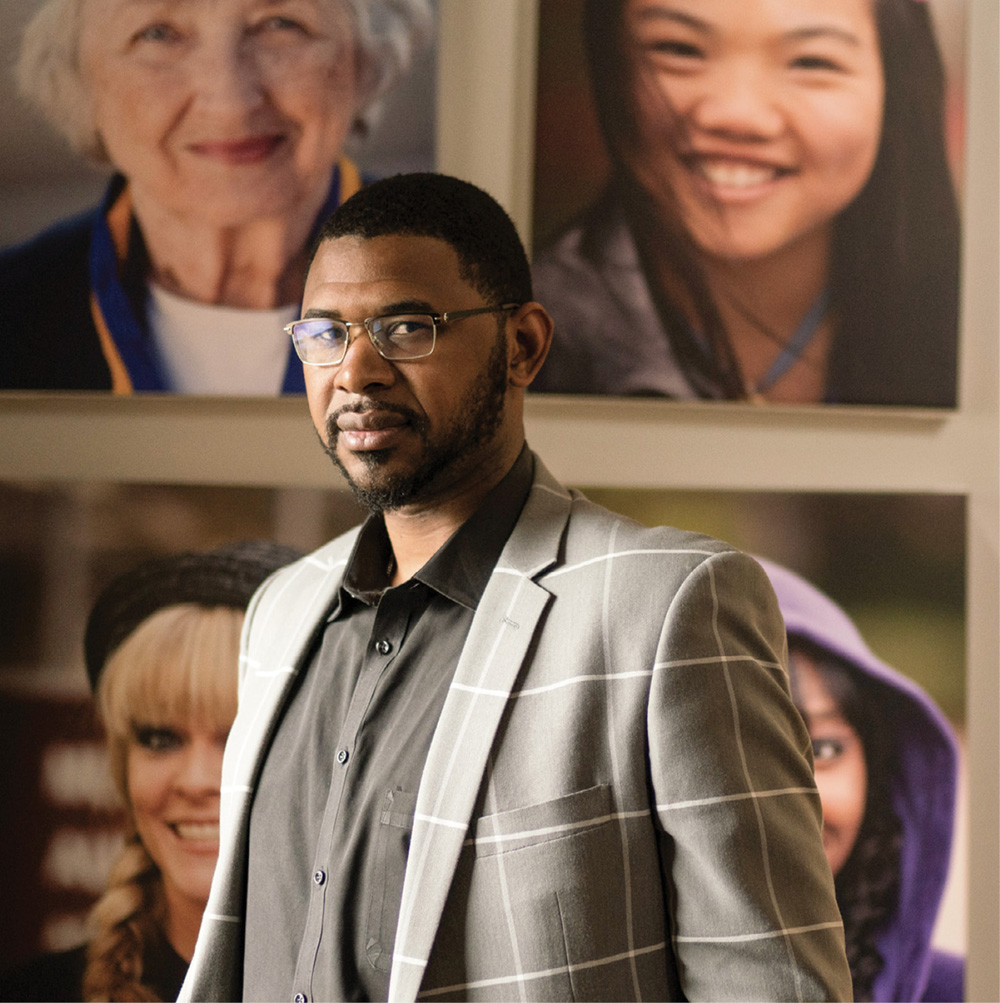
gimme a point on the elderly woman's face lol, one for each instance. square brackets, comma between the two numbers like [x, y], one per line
[222, 110]
[763, 116]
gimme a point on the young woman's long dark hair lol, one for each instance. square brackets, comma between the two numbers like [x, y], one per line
[867, 886]
[895, 263]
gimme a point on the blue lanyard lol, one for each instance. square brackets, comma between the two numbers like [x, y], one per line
[796, 345]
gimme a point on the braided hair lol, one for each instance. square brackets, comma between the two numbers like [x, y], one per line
[127, 918]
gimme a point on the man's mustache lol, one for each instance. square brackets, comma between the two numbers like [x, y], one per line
[367, 405]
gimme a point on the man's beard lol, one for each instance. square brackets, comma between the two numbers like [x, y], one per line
[475, 425]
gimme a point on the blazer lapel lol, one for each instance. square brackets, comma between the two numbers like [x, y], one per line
[306, 594]
[501, 633]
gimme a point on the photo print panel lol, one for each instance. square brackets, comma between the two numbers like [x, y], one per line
[60, 546]
[136, 188]
[872, 589]
[739, 200]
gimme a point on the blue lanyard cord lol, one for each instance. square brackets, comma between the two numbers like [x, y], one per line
[797, 344]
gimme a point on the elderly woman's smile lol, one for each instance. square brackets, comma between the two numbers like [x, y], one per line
[224, 123]
[230, 109]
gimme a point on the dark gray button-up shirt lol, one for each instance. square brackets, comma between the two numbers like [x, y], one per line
[331, 820]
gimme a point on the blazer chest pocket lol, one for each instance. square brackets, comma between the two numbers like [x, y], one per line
[538, 890]
[533, 825]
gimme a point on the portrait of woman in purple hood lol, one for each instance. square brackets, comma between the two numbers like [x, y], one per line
[886, 763]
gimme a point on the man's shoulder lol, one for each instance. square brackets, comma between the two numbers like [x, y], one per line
[591, 524]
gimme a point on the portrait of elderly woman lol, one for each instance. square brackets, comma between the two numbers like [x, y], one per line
[224, 125]
[777, 220]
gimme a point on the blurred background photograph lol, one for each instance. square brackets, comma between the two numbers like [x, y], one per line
[872, 588]
[163, 172]
[750, 200]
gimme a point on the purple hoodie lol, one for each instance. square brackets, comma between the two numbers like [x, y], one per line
[923, 795]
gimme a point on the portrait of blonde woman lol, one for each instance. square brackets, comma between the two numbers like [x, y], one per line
[225, 126]
[161, 651]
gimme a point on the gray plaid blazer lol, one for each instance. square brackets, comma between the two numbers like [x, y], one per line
[618, 800]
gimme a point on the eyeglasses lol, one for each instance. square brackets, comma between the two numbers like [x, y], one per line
[324, 342]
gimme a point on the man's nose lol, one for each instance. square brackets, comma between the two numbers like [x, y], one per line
[363, 367]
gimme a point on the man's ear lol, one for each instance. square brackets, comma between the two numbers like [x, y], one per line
[532, 335]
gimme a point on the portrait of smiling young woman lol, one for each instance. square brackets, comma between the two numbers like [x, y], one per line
[778, 222]
[225, 125]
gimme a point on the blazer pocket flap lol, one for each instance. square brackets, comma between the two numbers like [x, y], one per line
[533, 824]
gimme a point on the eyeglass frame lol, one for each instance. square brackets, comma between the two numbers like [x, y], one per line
[436, 319]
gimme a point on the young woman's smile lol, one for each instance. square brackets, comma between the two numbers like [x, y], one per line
[762, 117]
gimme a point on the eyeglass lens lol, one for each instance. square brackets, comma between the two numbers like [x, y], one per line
[405, 336]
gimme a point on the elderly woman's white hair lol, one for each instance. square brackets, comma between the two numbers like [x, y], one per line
[389, 34]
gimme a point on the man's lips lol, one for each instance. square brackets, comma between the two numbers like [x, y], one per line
[250, 150]
[367, 430]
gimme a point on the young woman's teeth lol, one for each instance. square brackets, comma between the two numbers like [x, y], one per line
[732, 175]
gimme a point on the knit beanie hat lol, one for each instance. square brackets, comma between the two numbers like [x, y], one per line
[228, 576]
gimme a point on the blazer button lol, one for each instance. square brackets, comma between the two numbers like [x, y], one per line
[383, 647]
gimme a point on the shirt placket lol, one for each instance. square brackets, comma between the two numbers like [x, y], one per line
[384, 643]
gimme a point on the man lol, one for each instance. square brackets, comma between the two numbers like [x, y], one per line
[499, 743]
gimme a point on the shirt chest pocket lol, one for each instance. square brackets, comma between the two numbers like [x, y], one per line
[392, 848]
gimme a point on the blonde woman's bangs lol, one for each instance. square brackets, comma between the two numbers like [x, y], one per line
[178, 667]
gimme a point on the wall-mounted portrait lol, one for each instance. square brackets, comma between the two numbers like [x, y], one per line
[750, 200]
[168, 166]
[119, 644]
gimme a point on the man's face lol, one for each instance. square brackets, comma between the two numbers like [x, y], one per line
[406, 433]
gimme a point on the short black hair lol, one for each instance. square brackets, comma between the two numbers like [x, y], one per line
[490, 254]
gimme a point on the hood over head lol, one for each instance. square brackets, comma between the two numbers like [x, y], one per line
[923, 790]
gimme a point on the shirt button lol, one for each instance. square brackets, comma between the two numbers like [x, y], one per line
[342, 756]
[383, 647]
[300, 998]
[319, 877]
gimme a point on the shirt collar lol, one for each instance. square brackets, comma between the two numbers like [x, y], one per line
[462, 566]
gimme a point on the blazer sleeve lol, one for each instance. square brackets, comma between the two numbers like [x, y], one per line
[747, 885]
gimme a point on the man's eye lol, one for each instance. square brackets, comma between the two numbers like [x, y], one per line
[158, 739]
[826, 750]
[333, 335]
[407, 327]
